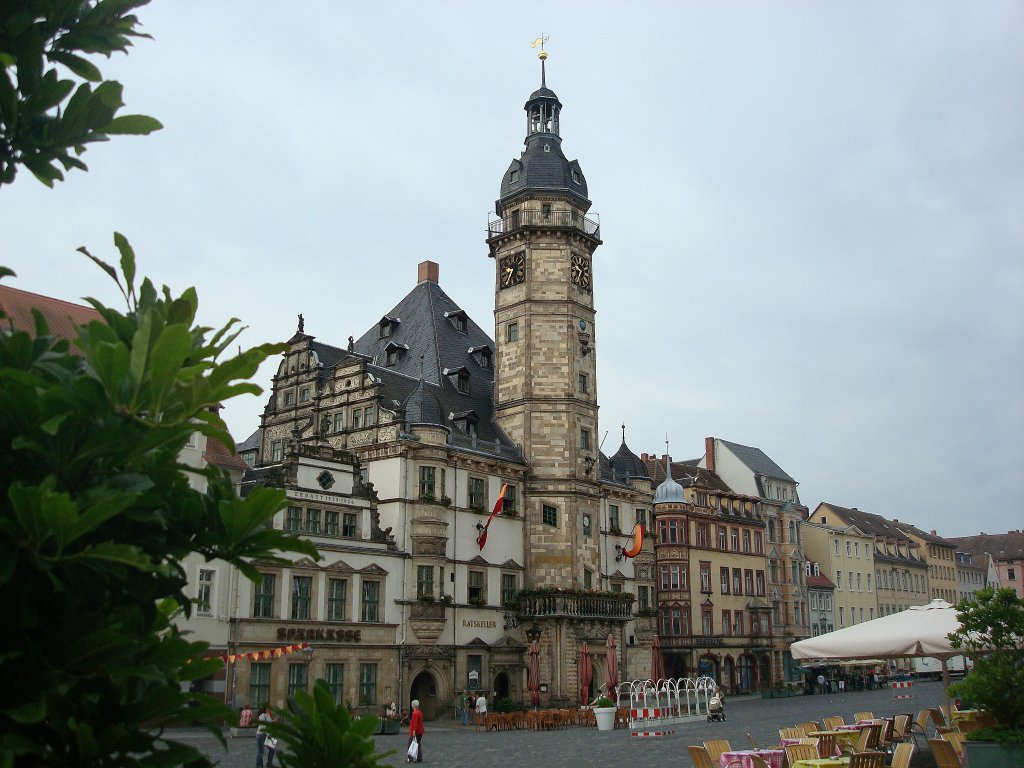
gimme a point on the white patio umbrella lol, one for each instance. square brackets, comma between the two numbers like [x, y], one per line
[921, 630]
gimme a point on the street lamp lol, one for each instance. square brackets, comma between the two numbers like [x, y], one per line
[533, 633]
[307, 656]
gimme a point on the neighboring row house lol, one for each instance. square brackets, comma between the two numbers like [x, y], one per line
[846, 555]
[1002, 554]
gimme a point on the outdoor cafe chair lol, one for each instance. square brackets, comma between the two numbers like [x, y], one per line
[874, 740]
[956, 739]
[827, 745]
[920, 725]
[716, 747]
[791, 733]
[795, 752]
[867, 760]
[752, 740]
[700, 757]
[900, 727]
[831, 723]
[861, 717]
[901, 756]
[944, 754]
[807, 727]
[938, 717]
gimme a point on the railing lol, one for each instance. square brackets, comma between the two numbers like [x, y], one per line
[424, 610]
[576, 606]
[529, 217]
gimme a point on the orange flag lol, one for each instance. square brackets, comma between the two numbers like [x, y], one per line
[481, 539]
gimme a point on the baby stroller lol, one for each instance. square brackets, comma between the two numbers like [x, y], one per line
[716, 709]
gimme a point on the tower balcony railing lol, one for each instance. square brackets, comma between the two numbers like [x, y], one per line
[528, 218]
[574, 606]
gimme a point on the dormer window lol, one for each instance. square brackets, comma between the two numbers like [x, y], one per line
[394, 352]
[513, 175]
[465, 421]
[459, 377]
[576, 178]
[387, 326]
[483, 356]
[459, 319]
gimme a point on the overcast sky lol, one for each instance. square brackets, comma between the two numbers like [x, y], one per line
[812, 212]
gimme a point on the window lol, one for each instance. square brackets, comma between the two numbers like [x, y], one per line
[331, 522]
[734, 539]
[758, 543]
[337, 593]
[641, 518]
[616, 586]
[296, 678]
[588, 578]
[461, 381]
[797, 573]
[302, 587]
[277, 450]
[726, 622]
[848, 548]
[737, 581]
[723, 538]
[837, 547]
[425, 581]
[476, 587]
[705, 578]
[334, 676]
[771, 530]
[369, 415]
[759, 579]
[474, 671]
[510, 506]
[513, 175]
[509, 587]
[431, 486]
[204, 592]
[339, 422]
[460, 322]
[545, 210]
[672, 577]
[707, 622]
[1011, 574]
[746, 541]
[794, 532]
[512, 332]
[367, 684]
[357, 418]
[871, 614]
[839, 580]
[259, 682]
[724, 573]
[643, 595]
[304, 395]
[748, 581]
[549, 515]
[738, 626]
[842, 616]
[859, 588]
[293, 520]
[289, 398]
[370, 607]
[583, 384]
[478, 494]
[313, 520]
[263, 597]
[613, 517]
[385, 329]
[702, 535]
[585, 439]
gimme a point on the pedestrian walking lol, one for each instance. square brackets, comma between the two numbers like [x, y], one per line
[263, 739]
[416, 731]
[481, 705]
[467, 704]
[821, 683]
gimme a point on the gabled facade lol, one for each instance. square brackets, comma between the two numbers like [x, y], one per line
[970, 576]
[846, 555]
[750, 471]
[821, 600]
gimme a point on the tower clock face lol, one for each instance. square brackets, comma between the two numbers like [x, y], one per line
[580, 270]
[512, 270]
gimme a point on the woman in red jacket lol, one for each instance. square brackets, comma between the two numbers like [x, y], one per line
[416, 729]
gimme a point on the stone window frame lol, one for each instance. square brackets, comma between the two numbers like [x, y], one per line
[300, 606]
[512, 332]
[333, 602]
[424, 581]
[265, 604]
[476, 591]
[549, 515]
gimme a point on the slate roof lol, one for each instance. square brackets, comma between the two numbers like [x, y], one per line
[251, 443]
[876, 525]
[931, 538]
[63, 317]
[757, 461]
[821, 582]
[627, 463]
[1002, 546]
[688, 474]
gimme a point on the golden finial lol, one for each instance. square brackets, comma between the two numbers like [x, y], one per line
[543, 55]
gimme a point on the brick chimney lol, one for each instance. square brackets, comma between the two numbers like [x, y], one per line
[427, 272]
[709, 454]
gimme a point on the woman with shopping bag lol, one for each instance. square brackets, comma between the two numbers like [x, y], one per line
[415, 753]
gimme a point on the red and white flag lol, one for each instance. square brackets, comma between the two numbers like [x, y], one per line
[481, 539]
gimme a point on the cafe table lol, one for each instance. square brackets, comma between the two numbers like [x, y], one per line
[741, 758]
[958, 715]
[822, 762]
[845, 736]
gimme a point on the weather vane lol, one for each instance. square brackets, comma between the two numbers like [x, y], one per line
[542, 56]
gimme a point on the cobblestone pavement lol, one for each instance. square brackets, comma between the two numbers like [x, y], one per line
[446, 743]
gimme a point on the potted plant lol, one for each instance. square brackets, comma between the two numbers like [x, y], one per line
[425, 597]
[992, 633]
[604, 713]
[447, 599]
[446, 501]
[477, 601]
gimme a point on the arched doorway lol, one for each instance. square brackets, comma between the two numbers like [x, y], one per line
[501, 687]
[764, 675]
[746, 673]
[424, 688]
[708, 666]
[728, 674]
[675, 665]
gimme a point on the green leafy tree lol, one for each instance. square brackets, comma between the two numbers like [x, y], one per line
[96, 517]
[992, 633]
[320, 733]
[53, 100]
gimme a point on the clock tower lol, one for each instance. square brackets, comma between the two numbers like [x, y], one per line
[545, 397]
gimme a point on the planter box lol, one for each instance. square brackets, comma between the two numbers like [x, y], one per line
[389, 727]
[605, 717]
[989, 754]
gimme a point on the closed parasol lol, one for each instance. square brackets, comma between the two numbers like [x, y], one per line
[657, 661]
[611, 676]
[533, 674]
[586, 674]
